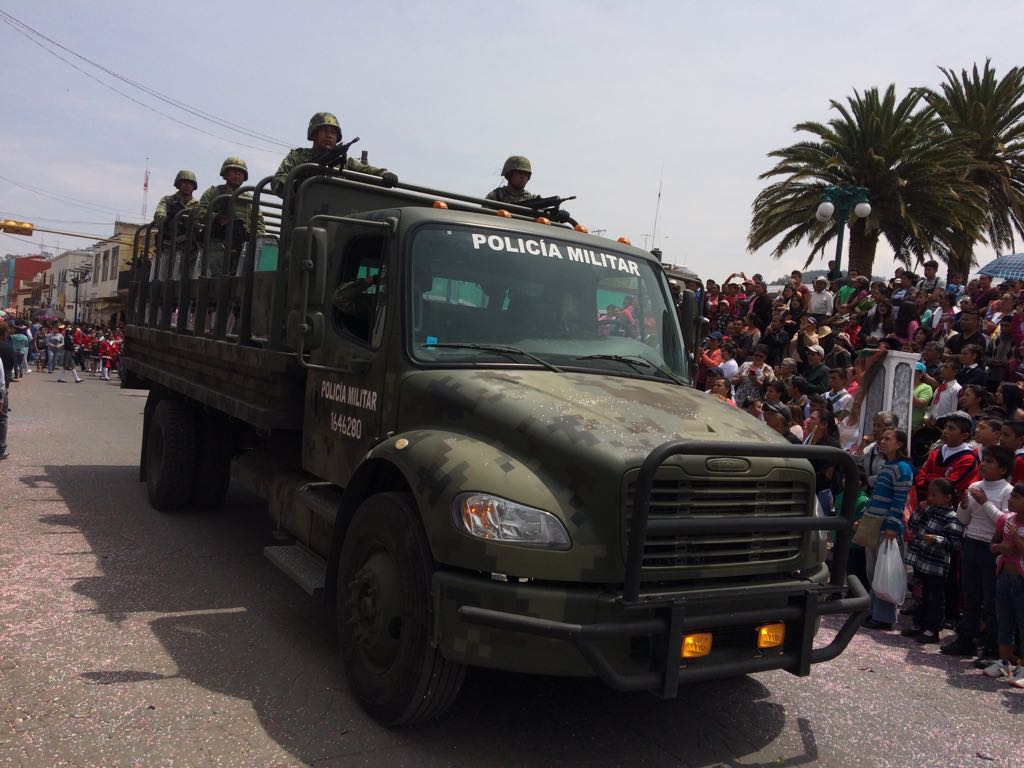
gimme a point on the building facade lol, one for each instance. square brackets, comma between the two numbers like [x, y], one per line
[19, 278]
[68, 300]
[104, 305]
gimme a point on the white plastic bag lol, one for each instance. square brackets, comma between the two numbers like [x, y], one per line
[889, 582]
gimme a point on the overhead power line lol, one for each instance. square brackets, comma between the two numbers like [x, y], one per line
[30, 217]
[41, 40]
[67, 200]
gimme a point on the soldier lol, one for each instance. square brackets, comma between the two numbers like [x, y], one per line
[355, 301]
[517, 173]
[234, 172]
[170, 206]
[325, 133]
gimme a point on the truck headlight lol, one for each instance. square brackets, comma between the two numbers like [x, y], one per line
[496, 519]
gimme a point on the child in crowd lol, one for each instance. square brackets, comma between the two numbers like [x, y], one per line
[1012, 438]
[933, 534]
[1008, 546]
[979, 510]
[987, 432]
[953, 460]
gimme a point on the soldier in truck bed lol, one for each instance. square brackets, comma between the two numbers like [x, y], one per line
[325, 133]
[517, 172]
[171, 205]
[234, 172]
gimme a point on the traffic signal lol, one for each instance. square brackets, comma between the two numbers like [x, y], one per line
[12, 227]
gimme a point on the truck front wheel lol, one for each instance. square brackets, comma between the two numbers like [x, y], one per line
[170, 454]
[385, 615]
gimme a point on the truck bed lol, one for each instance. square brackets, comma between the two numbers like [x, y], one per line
[261, 387]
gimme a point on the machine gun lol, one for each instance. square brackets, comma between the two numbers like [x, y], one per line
[551, 208]
[336, 156]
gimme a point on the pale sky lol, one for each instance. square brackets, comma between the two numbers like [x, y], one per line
[601, 96]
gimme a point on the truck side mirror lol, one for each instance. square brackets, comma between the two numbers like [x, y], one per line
[688, 320]
[307, 262]
[307, 284]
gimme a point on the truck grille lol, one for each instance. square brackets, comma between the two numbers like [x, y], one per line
[676, 494]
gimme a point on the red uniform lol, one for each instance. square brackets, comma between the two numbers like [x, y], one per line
[960, 469]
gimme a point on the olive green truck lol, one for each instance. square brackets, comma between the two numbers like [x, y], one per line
[477, 438]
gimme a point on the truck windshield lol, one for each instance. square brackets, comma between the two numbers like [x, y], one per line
[574, 306]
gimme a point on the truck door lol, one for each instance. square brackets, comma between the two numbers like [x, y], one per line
[344, 396]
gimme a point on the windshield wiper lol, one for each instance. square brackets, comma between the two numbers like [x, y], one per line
[636, 361]
[501, 350]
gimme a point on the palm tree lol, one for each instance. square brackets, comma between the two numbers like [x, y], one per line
[921, 199]
[986, 114]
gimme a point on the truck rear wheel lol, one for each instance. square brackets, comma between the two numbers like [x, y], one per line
[385, 615]
[212, 461]
[170, 454]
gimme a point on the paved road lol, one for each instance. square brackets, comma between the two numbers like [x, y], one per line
[128, 637]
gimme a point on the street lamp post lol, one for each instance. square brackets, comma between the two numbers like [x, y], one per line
[77, 276]
[840, 201]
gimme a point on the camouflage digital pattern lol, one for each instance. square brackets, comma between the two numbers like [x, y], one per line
[169, 206]
[319, 120]
[567, 444]
[207, 207]
[351, 298]
[301, 155]
[504, 194]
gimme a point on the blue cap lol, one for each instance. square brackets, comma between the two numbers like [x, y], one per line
[716, 335]
[919, 366]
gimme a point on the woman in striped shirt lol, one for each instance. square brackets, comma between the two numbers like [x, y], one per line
[887, 501]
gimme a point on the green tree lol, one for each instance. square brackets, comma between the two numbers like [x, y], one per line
[986, 115]
[922, 201]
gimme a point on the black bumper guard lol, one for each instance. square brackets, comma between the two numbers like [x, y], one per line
[670, 618]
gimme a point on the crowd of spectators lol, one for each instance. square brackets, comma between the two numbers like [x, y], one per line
[947, 488]
[52, 346]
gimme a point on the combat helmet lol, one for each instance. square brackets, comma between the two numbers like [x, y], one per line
[234, 162]
[185, 176]
[516, 163]
[321, 119]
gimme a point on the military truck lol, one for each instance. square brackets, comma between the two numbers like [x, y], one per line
[476, 435]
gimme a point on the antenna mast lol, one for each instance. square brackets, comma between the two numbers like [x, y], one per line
[145, 190]
[657, 208]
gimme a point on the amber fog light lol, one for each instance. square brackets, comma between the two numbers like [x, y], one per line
[771, 635]
[696, 645]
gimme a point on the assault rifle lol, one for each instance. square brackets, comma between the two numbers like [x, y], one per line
[551, 208]
[336, 156]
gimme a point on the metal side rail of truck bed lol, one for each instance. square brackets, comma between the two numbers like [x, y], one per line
[670, 616]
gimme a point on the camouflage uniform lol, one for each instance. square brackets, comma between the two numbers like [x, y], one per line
[168, 207]
[166, 211]
[301, 155]
[215, 258]
[351, 299]
[506, 195]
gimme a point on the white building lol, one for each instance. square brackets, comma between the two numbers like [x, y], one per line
[66, 267]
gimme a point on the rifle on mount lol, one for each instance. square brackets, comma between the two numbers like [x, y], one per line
[336, 156]
[551, 208]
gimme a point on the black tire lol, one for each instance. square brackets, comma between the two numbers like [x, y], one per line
[385, 615]
[214, 447]
[170, 455]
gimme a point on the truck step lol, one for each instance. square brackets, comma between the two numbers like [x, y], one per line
[306, 569]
